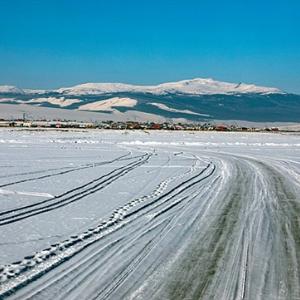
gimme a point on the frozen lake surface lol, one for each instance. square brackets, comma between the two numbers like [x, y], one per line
[139, 215]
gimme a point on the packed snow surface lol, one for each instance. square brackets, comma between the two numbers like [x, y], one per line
[149, 215]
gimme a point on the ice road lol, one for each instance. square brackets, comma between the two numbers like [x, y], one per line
[139, 215]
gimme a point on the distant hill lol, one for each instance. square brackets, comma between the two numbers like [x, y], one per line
[192, 100]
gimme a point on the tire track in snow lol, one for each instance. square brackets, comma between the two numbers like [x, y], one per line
[91, 263]
[87, 166]
[63, 248]
[168, 223]
[252, 248]
[14, 215]
[246, 243]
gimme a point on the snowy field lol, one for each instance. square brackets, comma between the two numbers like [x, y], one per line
[159, 215]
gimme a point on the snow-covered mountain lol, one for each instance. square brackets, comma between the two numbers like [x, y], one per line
[194, 100]
[10, 89]
[198, 86]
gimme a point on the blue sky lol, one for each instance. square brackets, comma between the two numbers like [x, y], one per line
[54, 43]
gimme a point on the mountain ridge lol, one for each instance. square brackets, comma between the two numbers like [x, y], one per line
[195, 100]
[196, 86]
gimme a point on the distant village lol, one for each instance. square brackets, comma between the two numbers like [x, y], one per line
[129, 125]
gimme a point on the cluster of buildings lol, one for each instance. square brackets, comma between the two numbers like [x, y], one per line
[46, 124]
[129, 125]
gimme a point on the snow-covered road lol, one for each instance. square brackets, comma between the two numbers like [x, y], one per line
[160, 215]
